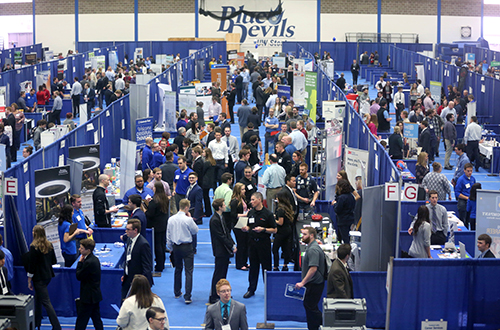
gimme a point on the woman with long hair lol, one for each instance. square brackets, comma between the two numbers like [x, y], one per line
[40, 272]
[194, 133]
[421, 169]
[471, 206]
[157, 216]
[343, 206]
[413, 94]
[421, 232]
[133, 311]
[239, 208]
[372, 122]
[147, 176]
[208, 181]
[297, 160]
[68, 243]
[283, 237]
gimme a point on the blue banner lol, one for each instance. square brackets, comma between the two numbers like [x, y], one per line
[143, 130]
[411, 130]
[284, 90]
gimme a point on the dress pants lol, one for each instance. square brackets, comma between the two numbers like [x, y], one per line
[42, 298]
[344, 233]
[283, 241]
[311, 300]
[449, 149]
[270, 196]
[438, 238]
[355, 78]
[178, 198]
[69, 259]
[160, 250]
[76, 105]
[231, 113]
[16, 144]
[206, 201]
[183, 254]
[260, 255]
[462, 211]
[472, 149]
[220, 272]
[89, 311]
[220, 168]
[242, 247]
[239, 94]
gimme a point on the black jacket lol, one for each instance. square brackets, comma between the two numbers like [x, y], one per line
[285, 161]
[248, 191]
[198, 168]
[220, 235]
[424, 141]
[40, 265]
[88, 272]
[141, 261]
[139, 214]
[208, 175]
[344, 209]
[168, 172]
[178, 140]
[396, 146]
[156, 218]
[239, 82]
[291, 200]
[102, 219]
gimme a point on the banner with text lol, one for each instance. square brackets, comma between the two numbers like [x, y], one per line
[143, 130]
[356, 163]
[299, 80]
[311, 94]
[488, 218]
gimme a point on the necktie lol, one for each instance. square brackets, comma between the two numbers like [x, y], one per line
[189, 190]
[129, 251]
[225, 315]
[3, 280]
[434, 219]
[228, 149]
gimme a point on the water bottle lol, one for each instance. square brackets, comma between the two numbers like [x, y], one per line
[334, 236]
[330, 234]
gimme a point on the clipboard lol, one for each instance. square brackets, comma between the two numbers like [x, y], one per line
[72, 228]
[291, 292]
[242, 222]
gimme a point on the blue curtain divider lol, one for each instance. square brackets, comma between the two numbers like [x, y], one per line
[9, 53]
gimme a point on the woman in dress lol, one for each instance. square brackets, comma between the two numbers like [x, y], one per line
[157, 217]
[133, 311]
[68, 243]
[421, 232]
[41, 259]
[208, 181]
[283, 237]
[239, 208]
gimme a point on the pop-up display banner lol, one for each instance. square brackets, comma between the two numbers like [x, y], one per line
[90, 157]
[488, 218]
[52, 191]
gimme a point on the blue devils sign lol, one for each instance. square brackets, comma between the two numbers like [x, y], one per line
[259, 27]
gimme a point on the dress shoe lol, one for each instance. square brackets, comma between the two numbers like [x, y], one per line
[248, 294]
[188, 301]
[177, 296]
[284, 269]
[448, 167]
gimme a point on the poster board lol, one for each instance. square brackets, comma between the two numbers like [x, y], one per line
[127, 165]
[167, 118]
[299, 79]
[52, 233]
[333, 110]
[356, 164]
[52, 191]
[410, 130]
[280, 61]
[187, 99]
[488, 218]
[435, 88]
[143, 130]
[333, 163]
[89, 155]
[311, 94]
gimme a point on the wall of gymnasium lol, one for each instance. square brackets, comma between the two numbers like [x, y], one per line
[162, 19]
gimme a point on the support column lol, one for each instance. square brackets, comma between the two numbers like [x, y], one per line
[77, 34]
[318, 27]
[34, 26]
[379, 19]
[196, 18]
[482, 18]
[136, 20]
[438, 22]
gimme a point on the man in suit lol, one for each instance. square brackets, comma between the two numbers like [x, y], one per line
[424, 140]
[88, 272]
[232, 146]
[226, 311]
[168, 173]
[483, 245]
[4, 276]
[339, 283]
[180, 231]
[139, 259]
[195, 196]
[102, 211]
[89, 98]
[156, 317]
[223, 246]
[198, 162]
[134, 204]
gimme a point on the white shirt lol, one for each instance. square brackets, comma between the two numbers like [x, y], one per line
[271, 101]
[219, 150]
[119, 84]
[420, 90]
[180, 229]
[214, 109]
[473, 132]
[234, 148]
[399, 97]
[76, 89]
[132, 317]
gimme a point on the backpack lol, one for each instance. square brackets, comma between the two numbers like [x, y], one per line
[328, 265]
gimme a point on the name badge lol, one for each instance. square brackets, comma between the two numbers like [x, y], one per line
[249, 187]
[251, 220]
[226, 327]
[467, 185]
[177, 177]
[129, 257]
[279, 161]
[5, 290]
[78, 217]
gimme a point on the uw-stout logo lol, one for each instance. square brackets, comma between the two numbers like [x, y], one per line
[259, 27]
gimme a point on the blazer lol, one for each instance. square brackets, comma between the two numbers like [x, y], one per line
[208, 176]
[88, 272]
[339, 283]
[424, 140]
[237, 316]
[40, 265]
[156, 218]
[101, 204]
[7, 282]
[196, 199]
[139, 214]
[489, 254]
[142, 260]
[220, 235]
[198, 168]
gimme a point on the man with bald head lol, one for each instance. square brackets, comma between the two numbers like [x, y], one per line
[449, 109]
[102, 212]
[289, 147]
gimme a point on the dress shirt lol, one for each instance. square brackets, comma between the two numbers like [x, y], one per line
[420, 90]
[222, 306]
[76, 89]
[224, 191]
[58, 103]
[428, 103]
[110, 75]
[151, 185]
[130, 247]
[234, 148]
[180, 230]
[299, 141]
[459, 171]
[119, 84]
[438, 182]
[267, 82]
[274, 176]
[441, 222]
[219, 150]
[399, 97]
[214, 109]
[271, 101]
[472, 132]
[446, 111]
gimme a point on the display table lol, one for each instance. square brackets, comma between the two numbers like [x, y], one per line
[109, 255]
[438, 253]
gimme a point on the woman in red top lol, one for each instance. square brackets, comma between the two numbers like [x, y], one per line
[40, 96]
[47, 94]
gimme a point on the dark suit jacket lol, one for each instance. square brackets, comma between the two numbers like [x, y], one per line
[239, 82]
[237, 316]
[291, 200]
[139, 214]
[285, 161]
[489, 254]
[208, 175]
[40, 265]
[225, 124]
[198, 168]
[100, 206]
[168, 173]
[339, 283]
[178, 140]
[220, 235]
[156, 218]
[141, 262]
[6, 277]
[424, 140]
[88, 272]
[196, 199]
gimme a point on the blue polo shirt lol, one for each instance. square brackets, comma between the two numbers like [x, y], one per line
[272, 121]
[145, 191]
[463, 185]
[181, 179]
[30, 100]
[290, 149]
[70, 247]
[79, 217]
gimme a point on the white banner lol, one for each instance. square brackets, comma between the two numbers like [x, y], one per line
[333, 158]
[127, 165]
[299, 81]
[356, 163]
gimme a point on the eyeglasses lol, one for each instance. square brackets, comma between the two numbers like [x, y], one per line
[162, 319]
[225, 291]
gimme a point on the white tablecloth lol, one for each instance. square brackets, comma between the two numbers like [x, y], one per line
[486, 149]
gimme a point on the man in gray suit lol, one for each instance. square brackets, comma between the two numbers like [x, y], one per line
[226, 311]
